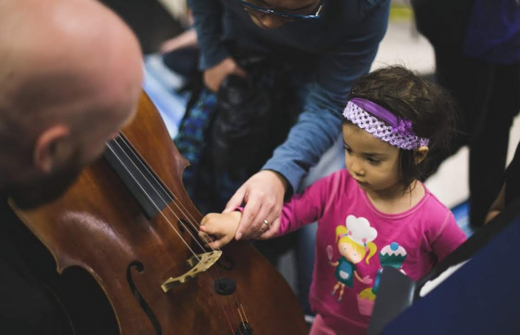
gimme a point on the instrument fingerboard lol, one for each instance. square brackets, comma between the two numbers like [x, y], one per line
[140, 180]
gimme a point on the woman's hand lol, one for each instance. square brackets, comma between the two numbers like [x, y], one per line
[214, 76]
[217, 230]
[263, 195]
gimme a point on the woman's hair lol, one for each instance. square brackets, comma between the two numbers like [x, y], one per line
[430, 108]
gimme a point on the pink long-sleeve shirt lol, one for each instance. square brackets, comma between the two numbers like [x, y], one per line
[412, 241]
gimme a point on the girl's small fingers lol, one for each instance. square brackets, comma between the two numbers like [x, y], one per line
[214, 245]
[208, 219]
[204, 237]
[209, 229]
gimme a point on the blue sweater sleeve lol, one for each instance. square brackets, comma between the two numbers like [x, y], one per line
[319, 124]
[207, 16]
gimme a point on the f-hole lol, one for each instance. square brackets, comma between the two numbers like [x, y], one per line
[148, 311]
[181, 223]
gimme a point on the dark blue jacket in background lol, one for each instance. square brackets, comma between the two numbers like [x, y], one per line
[493, 32]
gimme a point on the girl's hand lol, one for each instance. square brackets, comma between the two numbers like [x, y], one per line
[221, 228]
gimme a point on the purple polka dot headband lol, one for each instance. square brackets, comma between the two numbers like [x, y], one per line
[383, 124]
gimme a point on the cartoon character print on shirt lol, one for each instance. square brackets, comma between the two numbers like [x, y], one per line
[354, 241]
[390, 255]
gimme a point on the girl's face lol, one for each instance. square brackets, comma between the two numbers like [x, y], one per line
[374, 164]
[348, 251]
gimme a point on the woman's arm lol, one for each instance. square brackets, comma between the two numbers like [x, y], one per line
[207, 20]
[318, 126]
[215, 59]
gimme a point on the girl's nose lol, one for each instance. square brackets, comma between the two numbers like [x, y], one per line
[359, 173]
[356, 168]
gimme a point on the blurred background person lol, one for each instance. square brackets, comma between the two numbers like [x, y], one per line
[477, 58]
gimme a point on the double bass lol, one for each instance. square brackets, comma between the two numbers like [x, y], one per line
[130, 224]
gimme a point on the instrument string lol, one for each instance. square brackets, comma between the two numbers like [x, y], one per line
[169, 222]
[140, 159]
[191, 220]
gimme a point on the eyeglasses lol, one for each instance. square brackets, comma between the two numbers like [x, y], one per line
[316, 13]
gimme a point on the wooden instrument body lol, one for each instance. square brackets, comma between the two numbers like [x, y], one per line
[97, 225]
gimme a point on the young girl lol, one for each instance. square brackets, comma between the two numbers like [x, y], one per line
[377, 205]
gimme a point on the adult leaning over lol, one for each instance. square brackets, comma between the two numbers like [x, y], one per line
[338, 39]
[70, 73]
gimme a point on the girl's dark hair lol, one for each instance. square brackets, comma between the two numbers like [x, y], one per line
[430, 108]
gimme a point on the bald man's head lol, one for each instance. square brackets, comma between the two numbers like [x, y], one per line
[70, 73]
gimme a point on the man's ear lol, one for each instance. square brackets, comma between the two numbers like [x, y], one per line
[44, 155]
[420, 154]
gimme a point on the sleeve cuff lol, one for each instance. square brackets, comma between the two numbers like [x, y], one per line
[290, 171]
[209, 60]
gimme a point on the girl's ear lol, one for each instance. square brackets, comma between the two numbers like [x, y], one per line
[420, 154]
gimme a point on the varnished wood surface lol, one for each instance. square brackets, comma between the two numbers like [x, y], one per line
[98, 226]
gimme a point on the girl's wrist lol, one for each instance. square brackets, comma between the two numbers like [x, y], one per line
[236, 216]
